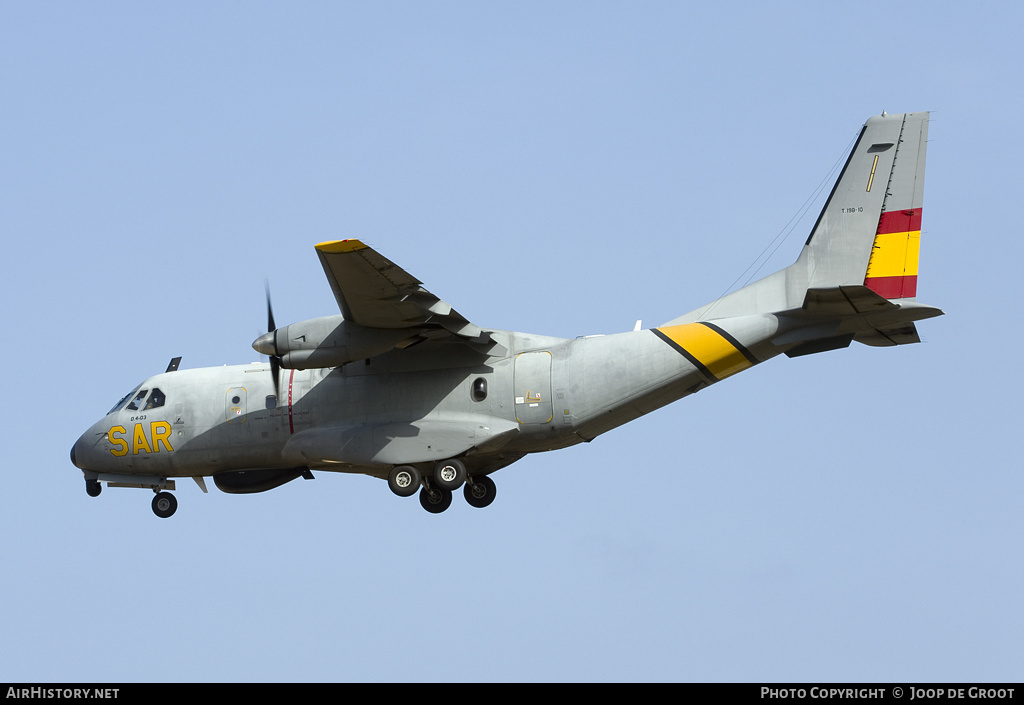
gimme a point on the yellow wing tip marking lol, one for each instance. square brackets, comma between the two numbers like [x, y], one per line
[341, 246]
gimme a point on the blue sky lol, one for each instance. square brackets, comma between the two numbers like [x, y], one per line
[563, 169]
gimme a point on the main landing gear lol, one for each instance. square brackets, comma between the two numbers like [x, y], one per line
[437, 488]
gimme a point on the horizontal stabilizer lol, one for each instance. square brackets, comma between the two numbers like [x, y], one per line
[844, 301]
[818, 346]
[831, 318]
[893, 335]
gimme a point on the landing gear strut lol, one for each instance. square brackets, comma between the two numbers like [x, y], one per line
[479, 491]
[435, 500]
[436, 487]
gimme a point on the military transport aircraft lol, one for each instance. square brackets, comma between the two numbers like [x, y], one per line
[401, 387]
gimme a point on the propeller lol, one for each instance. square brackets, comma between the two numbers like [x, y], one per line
[267, 344]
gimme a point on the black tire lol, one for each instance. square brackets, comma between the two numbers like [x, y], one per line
[435, 500]
[164, 505]
[480, 492]
[93, 488]
[404, 480]
[449, 474]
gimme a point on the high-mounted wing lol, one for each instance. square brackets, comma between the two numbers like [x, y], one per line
[374, 292]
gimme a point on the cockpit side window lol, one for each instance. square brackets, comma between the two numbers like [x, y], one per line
[156, 399]
[137, 401]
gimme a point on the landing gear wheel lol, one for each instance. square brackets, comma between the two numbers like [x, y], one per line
[435, 500]
[164, 504]
[404, 480]
[449, 474]
[479, 491]
[93, 488]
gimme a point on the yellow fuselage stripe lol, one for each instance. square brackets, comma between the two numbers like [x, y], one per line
[708, 347]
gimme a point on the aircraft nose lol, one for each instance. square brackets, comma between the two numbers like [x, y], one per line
[81, 455]
[76, 452]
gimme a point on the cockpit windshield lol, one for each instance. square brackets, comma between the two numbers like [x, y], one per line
[125, 398]
[138, 396]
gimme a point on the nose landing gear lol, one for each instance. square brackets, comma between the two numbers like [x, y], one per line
[164, 504]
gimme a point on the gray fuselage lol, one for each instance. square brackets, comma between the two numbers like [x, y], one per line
[545, 393]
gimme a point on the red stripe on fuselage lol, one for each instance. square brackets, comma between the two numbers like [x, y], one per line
[291, 424]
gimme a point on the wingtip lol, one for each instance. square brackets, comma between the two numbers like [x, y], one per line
[341, 246]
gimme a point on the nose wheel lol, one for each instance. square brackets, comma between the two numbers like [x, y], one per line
[164, 504]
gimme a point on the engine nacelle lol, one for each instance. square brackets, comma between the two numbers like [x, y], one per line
[328, 342]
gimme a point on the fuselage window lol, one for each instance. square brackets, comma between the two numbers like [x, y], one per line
[156, 399]
[479, 389]
[137, 401]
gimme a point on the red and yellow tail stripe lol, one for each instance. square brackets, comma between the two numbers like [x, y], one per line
[709, 348]
[892, 269]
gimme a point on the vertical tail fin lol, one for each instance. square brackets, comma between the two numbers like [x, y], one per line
[867, 235]
[869, 231]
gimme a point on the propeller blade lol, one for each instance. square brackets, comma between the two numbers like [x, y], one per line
[275, 360]
[275, 372]
[270, 309]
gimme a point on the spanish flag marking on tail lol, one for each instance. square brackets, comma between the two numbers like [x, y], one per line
[892, 269]
[709, 348]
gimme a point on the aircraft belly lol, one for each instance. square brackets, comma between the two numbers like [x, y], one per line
[425, 440]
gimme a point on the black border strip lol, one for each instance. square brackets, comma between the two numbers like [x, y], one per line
[836, 184]
[732, 341]
[682, 351]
